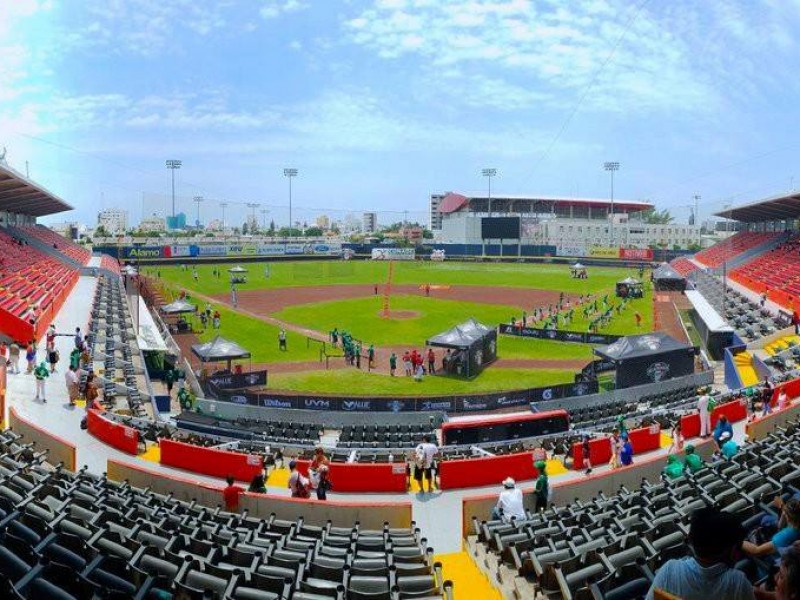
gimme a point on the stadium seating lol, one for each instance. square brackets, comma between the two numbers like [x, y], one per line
[33, 286]
[683, 266]
[733, 246]
[776, 272]
[611, 546]
[66, 246]
[71, 536]
[112, 264]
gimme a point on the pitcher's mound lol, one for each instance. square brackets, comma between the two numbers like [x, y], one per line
[400, 314]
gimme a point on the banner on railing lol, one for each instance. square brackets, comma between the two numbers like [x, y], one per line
[393, 253]
[233, 381]
[556, 335]
[447, 404]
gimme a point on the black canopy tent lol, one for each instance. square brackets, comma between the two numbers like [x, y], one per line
[177, 309]
[629, 288]
[219, 350]
[648, 358]
[475, 347]
[666, 278]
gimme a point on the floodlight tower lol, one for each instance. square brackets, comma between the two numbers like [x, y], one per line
[198, 200]
[290, 173]
[172, 165]
[489, 173]
[612, 166]
[253, 206]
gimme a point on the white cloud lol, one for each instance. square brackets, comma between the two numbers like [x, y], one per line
[275, 8]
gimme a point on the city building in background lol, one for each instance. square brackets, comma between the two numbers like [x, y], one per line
[153, 223]
[370, 222]
[113, 220]
[176, 222]
[323, 222]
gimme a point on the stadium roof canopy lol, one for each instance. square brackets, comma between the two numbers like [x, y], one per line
[775, 208]
[454, 201]
[20, 195]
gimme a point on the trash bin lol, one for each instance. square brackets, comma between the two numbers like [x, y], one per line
[163, 404]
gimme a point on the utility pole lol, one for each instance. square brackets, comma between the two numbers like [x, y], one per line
[198, 200]
[223, 205]
[612, 166]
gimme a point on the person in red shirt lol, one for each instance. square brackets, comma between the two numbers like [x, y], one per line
[231, 495]
[431, 362]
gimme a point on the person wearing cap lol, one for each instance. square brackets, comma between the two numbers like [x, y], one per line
[723, 427]
[41, 373]
[541, 489]
[509, 503]
[673, 468]
[299, 485]
[693, 462]
[715, 538]
[729, 447]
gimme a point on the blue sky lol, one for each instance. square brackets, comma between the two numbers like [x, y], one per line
[380, 102]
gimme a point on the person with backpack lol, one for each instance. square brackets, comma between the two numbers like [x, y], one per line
[299, 485]
[541, 490]
[41, 374]
[324, 484]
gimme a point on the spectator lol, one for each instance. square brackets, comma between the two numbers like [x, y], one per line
[51, 337]
[705, 406]
[298, 484]
[324, 484]
[677, 438]
[541, 490]
[407, 363]
[231, 495]
[787, 579]
[78, 338]
[626, 453]
[282, 340]
[30, 356]
[169, 380]
[693, 462]
[91, 392]
[319, 461]
[788, 533]
[715, 538]
[509, 503]
[53, 357]
[371, 355]
[673, 468]
[729, 447]
[783, 399]
[257, 485]
[392, 364]
[616, 446]
[424, 454]
[71, 378]
[13, 357]
[723, 431]
[587, 454]
[41, 374]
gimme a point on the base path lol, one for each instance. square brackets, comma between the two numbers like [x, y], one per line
[268, 301]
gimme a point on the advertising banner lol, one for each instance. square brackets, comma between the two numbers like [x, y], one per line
[270, 250]
[177, 251]
[438, 255]
[603, 252]
[143, 252]
[215, 250]
[556, 335]
[636, 253]
[297, 249]
[393, 254]
[447, 404]
[229, 381]
[327, 249]
[574, 250]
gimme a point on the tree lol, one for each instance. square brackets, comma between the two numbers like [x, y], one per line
[244, 229]
[100, 231]
[657, 217]
[314, 232]
[272, 227]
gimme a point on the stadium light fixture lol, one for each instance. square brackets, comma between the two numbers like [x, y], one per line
[253, 206]
[223, 205]
[290, 173]
[612, 166]
[264, 213]
[198, 200]
[173, 164]
[489, 173]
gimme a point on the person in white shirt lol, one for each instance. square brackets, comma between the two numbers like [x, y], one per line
[783, 399]
[705, 415]
[424, 454]
[71, 378]
[509, 503]
[298, 484]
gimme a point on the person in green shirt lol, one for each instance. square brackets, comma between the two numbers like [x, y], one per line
[693, 462]
[674, 467]
[371, 355]
[75, 358]
[169, 380]
[41, 373]
[541, 490]
[392, 364]
[185, 399]
[623, 430]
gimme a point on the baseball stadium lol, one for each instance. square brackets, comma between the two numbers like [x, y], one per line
[390, 386]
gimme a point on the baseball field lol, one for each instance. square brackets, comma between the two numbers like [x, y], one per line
[308, 299]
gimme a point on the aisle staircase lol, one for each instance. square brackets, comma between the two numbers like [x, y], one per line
[782, 344]
[745, 368]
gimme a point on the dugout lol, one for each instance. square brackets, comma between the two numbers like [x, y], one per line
[472, 345]
[648, 358]
[667, 279]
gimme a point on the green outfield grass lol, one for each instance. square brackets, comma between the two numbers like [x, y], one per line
[360, 383]
[260, 338]
[514, 347]
[305, 273]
